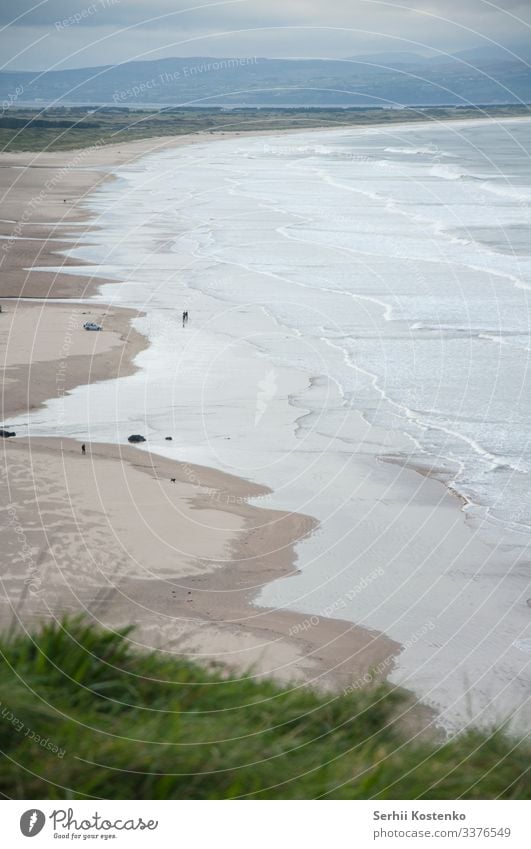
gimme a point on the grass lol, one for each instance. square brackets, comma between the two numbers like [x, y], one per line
[69, 128]
[83, 715]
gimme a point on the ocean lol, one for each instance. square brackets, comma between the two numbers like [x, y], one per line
[359, 309]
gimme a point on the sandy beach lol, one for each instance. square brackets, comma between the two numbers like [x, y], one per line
[128, 537]
[109, 534]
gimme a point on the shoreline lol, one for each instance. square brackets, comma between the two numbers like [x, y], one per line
[332, 654]
[48, 333]
[189, 591]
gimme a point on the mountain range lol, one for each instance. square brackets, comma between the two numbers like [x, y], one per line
[476, 76]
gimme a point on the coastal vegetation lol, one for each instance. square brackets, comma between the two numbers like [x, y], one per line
[69, 128]
[83, 715]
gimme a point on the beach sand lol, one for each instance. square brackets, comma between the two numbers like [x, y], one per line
[108, 533]
[45, 350]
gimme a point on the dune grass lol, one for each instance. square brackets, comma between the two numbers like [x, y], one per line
[71, 128]
[84, 715]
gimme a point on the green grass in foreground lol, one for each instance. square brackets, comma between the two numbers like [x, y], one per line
[129, 725]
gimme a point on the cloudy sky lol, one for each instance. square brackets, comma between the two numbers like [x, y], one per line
[77, 33]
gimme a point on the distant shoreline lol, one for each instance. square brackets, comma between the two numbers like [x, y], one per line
[87, 127]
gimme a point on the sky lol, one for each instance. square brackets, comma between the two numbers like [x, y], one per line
[60, 34]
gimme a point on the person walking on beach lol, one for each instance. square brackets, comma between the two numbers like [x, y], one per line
[185, 317]
[83, 449]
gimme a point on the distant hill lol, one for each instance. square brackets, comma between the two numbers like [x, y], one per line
[483, 56]
[391, 59]
[388, 79]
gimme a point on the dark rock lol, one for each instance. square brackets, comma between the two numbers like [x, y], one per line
[135, 437]
[169, 438]
[7, 432]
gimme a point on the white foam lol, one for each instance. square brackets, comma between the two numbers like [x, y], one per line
[427, 150]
